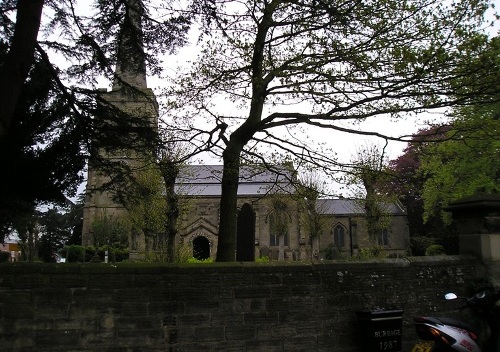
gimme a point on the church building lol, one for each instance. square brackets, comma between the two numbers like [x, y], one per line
[272, 220]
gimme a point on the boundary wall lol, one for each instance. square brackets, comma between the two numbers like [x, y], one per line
[285, 306]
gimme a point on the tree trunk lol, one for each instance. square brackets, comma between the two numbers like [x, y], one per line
[18, 62]
[170, 171]
[226, 245]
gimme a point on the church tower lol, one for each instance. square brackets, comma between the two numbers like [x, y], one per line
[126, 123]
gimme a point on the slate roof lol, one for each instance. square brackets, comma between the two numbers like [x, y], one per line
[345, 206]
[205, 180]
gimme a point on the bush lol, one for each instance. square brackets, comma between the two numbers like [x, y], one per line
[435, 249]
[419, 244]
[332, 252]
[4, 257]
[183, 253]
[200, 261]
[73, 253]
[79, 254]
[372, 252]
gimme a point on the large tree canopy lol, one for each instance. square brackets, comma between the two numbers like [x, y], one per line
[42, 156]
[322, 63]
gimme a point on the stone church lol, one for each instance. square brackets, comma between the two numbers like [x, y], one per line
[270, 219]
[263, 197]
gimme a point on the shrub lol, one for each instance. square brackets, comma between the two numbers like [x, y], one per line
[419, 244]
[263, 259]
[200, 261]
[331, 252]
[73, 253]
[435, 249]
[79, 254]
[183, 252]
[372, 252]
[4, 257]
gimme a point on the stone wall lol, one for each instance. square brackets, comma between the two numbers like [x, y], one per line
[289, 306]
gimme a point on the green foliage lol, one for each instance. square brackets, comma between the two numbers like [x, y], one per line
[182, 253]
[200, 261]
[84, 254]
[435, 249]
[408, 183]
[74, 254]
[59, 226]
[331, 252]
[263, 259]
[147, 207]
[110, 231]
[45, 132]
[419, 244]
[371, 253]
[395, 255]
[463, 165]
[370, 174]
[43, 150]
[4, 257]
[309, 189]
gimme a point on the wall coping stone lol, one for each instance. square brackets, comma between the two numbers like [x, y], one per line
[233, 267]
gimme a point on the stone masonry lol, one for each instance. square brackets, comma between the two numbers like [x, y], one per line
[285, 306]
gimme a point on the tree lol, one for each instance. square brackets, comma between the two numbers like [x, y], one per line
[49, 69]
[42, 152]
[310, 188]
[370, 173]
[465, 163]
[407, 183]
[280, 220]
[170, 162]
[109, 231]
[59, 227]
[146, 208]
[15, 68]
[27, 227]
[339, 62]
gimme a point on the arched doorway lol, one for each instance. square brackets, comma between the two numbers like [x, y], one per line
[201, 248]
[245, 238]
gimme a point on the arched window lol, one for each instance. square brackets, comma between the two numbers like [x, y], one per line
[383, 239]
[339, 236]
[279, 223]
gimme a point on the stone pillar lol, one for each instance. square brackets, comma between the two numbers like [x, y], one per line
[477, 221]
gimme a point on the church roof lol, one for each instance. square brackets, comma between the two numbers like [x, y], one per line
[205, 180]
[345, 206]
